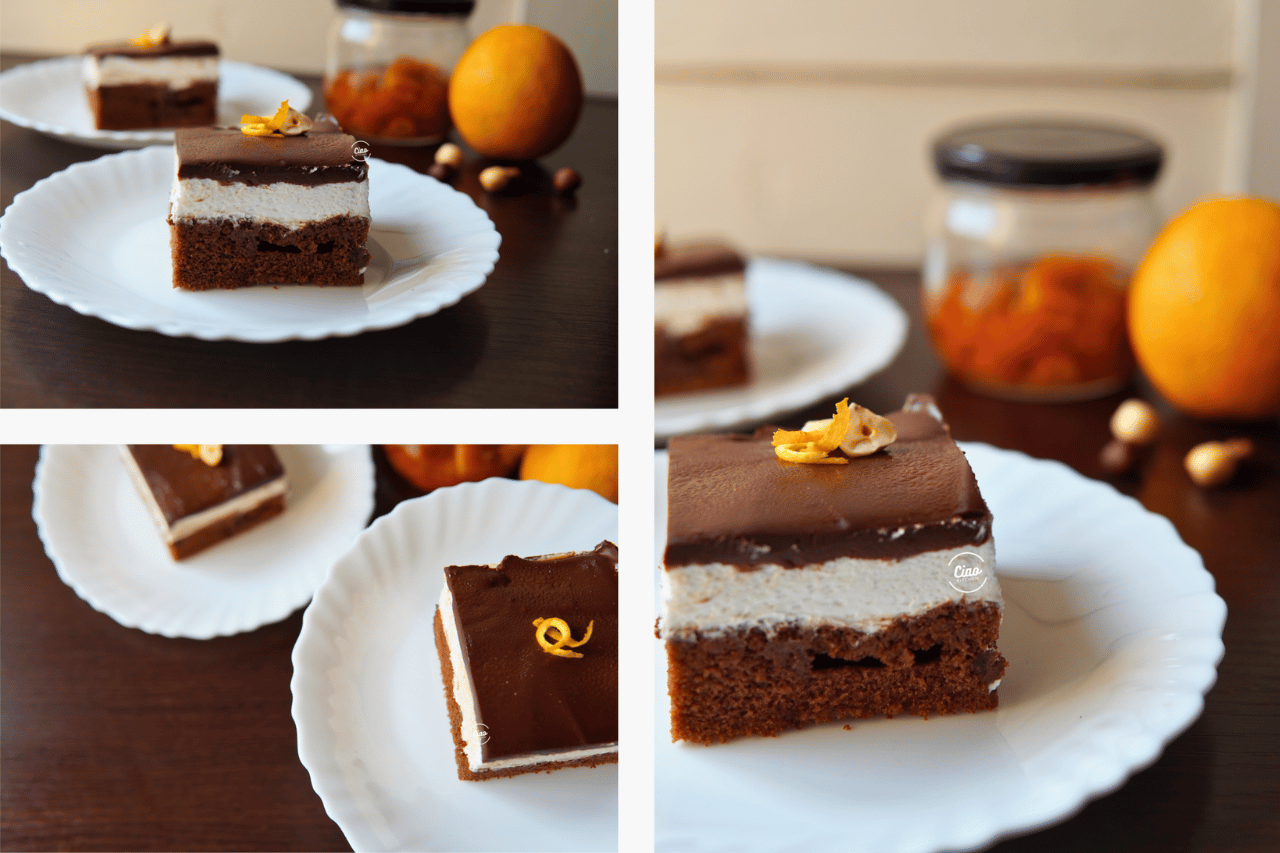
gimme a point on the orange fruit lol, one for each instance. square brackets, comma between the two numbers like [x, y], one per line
[578, 466]
[433, 466]
[516, 93]
[1204, 310]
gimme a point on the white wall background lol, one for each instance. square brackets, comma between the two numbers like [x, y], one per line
[805, 128]
[290, 34]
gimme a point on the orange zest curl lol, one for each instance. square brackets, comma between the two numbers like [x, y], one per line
[812, 446]
[562, 638]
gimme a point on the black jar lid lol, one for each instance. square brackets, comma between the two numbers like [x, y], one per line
[413, 7]
[1046, 153]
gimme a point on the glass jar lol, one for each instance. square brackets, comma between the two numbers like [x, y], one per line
[387, 67]
[1031, 241]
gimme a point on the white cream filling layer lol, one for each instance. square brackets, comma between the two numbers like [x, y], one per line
[187, 525]
[682, 306]
[177, 72]
[866, 595]
[465, 697]
[290, 205]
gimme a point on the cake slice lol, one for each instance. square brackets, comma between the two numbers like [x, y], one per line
[522, 697]
[700, 319]
[796, 593]
[152, 82]
[198, 502]
[272, 209]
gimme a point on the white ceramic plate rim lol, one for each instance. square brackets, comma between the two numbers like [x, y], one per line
[409, 210]
[403, 555]
[64, 72]
[1148, 704]
[113, 576]
[796, 300]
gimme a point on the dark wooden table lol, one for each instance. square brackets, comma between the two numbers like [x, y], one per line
[542, 331]
[114, 739]
[1216, 786]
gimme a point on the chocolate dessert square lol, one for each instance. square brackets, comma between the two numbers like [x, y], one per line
[195, 504]
[700, 319]
[274, 209]
[796, 594]
[522, 697]
[134, 87]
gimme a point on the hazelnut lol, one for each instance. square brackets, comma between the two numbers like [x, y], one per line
[449, 154]
[1135, 422]
[495, 178]
[567, 180]
[867, 433]
[1117, 456]
[1215, 462]
[441, 172]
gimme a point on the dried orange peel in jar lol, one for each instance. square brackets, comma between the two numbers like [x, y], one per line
[286, 122]
[209, 454]
[855, 431]
[556, 645]
[407, 99]
[153, 37]
[1057, 321]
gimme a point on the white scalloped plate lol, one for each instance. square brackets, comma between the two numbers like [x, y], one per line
[105, 545]
[1113, 633]
[814, 332]
[368, 701]
[48, 97]
[94, 237]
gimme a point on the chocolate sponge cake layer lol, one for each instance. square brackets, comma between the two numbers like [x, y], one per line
[134, 106]
[225, 253]
[715, 356]
[749, 683]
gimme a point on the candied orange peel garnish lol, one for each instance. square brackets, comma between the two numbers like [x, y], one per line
[209, 454]
[857, 431]
[287, 122]
[808, 452]
[153, 37]
[562, 638]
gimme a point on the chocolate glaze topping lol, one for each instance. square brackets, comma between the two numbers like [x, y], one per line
[183, 485]
[732, 500]
[172, 48]
[322, 155]
[529, 700]
[697, 261]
